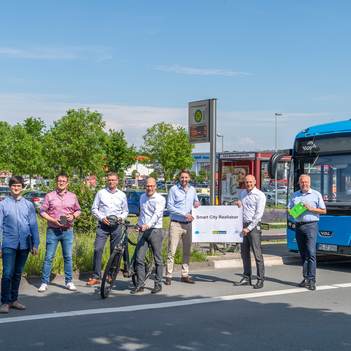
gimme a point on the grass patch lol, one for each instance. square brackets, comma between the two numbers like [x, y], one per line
[83, 250]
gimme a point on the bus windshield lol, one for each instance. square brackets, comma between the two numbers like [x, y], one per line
[330, 175]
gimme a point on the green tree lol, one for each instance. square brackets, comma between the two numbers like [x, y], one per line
[119, 156]
[168, 146]
[77, 142]
[193, 175]
[134, 174]
[200, 179]
[203, 172]
[34, 126]
[5, 145]
[154, 175]
[26, 152]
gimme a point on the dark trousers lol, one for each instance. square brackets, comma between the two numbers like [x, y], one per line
[152, 237]
[102, 233]
[253, 240]
[13, 261]
[306, 237]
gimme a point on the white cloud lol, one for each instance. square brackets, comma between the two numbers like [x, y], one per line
[242, 130]
[197, 71]
[246, 141]
[325, 98]
[58, 53]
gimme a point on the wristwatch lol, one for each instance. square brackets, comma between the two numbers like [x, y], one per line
[74, 217]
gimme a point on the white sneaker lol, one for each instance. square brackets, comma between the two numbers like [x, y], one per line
[43, 287]
[70, 286]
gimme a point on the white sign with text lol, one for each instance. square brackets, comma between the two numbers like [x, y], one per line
[216, 224]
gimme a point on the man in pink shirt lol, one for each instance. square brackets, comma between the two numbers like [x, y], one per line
[59, 206]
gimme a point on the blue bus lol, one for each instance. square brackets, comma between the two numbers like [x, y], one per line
[324, 153]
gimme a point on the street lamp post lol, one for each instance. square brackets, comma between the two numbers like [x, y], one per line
[221, 136]
[276, 149]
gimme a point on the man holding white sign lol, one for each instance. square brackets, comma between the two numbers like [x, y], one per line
[253, 202]
[181, 199]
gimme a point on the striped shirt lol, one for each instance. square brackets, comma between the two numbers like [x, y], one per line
[180, 202]
[313, 198]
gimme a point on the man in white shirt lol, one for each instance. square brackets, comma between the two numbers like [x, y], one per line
[152, 206]
[109, 201]
[253, 202]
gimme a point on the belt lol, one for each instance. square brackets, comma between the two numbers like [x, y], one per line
[173, 220]
[64, 229]
[302, 223]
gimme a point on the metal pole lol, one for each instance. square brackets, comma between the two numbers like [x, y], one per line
[276, 149]
[213, 140]
[221, 136]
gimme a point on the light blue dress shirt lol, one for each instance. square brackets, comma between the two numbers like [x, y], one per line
[180, 202]
[107, 204]
[313, 198]
[151, 210]
[18, 220]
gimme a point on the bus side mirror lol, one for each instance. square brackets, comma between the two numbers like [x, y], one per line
[273, 161]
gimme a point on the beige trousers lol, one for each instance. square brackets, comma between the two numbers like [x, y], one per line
[177, 231]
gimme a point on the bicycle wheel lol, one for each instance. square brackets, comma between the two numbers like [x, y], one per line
[149, 266]
[223, 247]
[110, 274]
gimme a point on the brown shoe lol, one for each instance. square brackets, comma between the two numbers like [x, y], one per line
[4, 308]
[93, 281]
[17, 305]
[168, 281]
[187, 280]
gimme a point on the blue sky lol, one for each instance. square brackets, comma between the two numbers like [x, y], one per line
[140, 62]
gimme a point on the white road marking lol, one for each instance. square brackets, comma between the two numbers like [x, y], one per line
[168, 304]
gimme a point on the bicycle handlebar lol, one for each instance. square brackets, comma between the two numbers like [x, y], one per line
[127, 224]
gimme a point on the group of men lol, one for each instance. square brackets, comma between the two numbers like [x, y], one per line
[60, 208]
[181, 199]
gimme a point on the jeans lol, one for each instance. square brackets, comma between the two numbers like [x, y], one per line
[53, 237]
[13, 262]
[102, 233]
[153, 237]
[306, 237]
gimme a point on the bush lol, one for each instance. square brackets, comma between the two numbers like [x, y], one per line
[154, 175]
[83, 250]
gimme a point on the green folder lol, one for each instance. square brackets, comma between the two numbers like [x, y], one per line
[297, 210]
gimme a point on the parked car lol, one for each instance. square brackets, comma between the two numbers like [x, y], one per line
[204, 199]
[133, 198]
[165, 211]
[270, 200]
[35, 197]
[4, 193]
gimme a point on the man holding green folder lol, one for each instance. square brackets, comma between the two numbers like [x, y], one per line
[307, 227]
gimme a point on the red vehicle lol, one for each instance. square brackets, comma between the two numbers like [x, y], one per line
[234, 167]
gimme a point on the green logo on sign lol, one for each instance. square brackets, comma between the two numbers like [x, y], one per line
[198, 116]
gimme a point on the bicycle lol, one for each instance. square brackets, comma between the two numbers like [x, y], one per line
[114, 263]
[225, 247]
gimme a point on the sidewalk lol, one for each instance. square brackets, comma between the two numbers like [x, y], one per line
[274, 254]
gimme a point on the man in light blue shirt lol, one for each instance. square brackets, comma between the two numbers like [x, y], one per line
[307, 228]
[181, 199]
[152, 206]
[18, 221]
